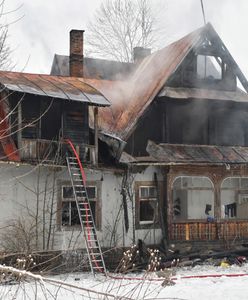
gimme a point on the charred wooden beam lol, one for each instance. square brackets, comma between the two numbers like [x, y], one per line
[19, 132]
[96, 133]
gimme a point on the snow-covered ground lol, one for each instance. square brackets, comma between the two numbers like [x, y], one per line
[219, 288]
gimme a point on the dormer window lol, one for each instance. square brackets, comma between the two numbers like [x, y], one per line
[209, 67]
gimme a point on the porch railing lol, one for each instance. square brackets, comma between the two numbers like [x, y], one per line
[200, 231]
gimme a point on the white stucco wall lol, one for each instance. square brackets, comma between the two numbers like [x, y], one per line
[23, 186]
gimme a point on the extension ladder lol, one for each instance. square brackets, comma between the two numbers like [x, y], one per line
[78, 182]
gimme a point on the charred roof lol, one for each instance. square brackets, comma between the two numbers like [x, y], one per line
[130, 98]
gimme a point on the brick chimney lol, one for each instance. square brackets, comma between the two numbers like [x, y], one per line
[139, 53]
[76, 62]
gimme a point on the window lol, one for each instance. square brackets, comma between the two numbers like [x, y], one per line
[68, 208]
[234, 198]
[208, 67]
[146, 205]
[193, 198]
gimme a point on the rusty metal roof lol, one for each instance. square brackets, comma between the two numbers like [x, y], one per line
[195, 154]
[69, 88]
[131, 98]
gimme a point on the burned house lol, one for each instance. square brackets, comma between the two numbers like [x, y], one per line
[182, 118]
[163, 141]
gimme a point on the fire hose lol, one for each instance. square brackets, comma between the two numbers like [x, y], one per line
[86, 205]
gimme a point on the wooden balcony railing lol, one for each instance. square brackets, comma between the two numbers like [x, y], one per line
[48, 151]
[209, 231]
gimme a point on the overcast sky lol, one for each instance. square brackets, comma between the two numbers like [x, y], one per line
[44, 28]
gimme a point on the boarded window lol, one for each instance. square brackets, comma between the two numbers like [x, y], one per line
[234, 198]
[193, 198]
[31, 118]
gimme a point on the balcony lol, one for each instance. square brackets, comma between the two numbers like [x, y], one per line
[53, 152]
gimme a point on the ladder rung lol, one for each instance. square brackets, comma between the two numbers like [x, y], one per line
[96, 260]
[96, 248]
[98, 267]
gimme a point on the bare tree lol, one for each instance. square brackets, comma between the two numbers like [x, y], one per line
[121, 25]
[6, 62]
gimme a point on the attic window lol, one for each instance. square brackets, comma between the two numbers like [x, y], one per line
[209, 67]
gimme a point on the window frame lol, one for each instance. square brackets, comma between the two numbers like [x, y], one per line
[137, 187]
[192, 188]
[239, 192]
[214, 61]
[98, 215]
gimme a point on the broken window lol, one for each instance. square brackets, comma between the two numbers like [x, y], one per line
[234, 198]
[193, 198]
[69, 212]
[209, 67]
[146, 204]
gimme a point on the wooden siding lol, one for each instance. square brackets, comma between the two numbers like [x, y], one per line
[75, 123]
[47, 151]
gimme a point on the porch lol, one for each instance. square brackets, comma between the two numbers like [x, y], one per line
[209, 231]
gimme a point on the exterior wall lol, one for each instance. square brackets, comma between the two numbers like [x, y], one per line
[152, 235]
[23, 187]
